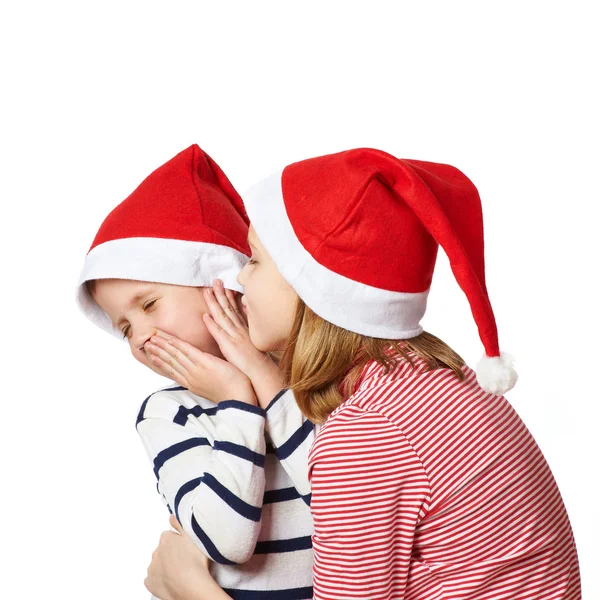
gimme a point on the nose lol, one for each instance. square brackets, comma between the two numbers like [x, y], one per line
[241, 277]
[141, 333]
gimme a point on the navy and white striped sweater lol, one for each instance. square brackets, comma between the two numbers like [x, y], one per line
[230, 488]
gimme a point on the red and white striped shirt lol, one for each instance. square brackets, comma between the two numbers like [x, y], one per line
[428, 488]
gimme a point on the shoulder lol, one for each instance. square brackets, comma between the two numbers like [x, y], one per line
[355, 429]
[402, 392]
[360, 445]
[171, 402]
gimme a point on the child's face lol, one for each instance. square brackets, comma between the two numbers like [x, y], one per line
[140, 308]
[269, 301]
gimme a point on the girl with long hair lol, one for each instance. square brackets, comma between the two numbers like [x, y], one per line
[425, 483]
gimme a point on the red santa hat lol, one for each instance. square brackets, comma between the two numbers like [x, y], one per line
[356, 235]
[184, 224]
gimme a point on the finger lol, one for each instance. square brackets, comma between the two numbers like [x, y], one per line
[175, 524]
[224, 302]
[188, 350]
[187, 355]
[235, 302]
[162, 368]
[158, 347]
[221, 336]
[221, 314]
[162, 372]
[238, 308]
[176, 351]
[218, 314]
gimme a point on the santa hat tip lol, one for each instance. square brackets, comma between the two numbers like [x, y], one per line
[495, 374]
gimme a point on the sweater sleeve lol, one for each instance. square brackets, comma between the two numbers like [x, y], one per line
[292, 435]
[209, 463]
[369, 490]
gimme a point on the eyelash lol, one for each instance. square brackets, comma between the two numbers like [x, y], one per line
[146, 306]
[251, 261]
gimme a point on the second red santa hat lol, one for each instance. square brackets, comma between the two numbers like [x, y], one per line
[356, 235]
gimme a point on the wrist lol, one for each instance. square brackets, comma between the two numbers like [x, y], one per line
[243, 392]
[268, 386]
[260, 367]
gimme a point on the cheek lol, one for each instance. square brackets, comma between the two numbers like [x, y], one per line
[205, 342]
[269, 323]
[189, 326]
[258, 321]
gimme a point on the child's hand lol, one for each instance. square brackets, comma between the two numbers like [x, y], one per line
[227, 326]
[202, 373]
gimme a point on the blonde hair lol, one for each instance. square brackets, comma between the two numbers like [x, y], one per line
[323, 362]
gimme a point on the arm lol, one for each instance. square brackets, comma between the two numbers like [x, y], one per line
[209, 463]
[179, 571]
[292, 435]
[368, 491]
[289, 430]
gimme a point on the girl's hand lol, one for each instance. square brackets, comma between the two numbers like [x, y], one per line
[179, 570]
[202, 373]
[227, 325]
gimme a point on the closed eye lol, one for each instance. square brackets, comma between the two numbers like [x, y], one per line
[149, 304]
[125, 331]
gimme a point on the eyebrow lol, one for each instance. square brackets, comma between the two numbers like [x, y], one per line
[134, 300]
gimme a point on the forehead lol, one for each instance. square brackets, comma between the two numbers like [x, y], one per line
[121, 287]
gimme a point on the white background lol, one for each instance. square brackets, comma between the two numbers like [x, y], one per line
[97, 95]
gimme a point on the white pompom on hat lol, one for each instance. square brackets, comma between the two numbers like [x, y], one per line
[356, 235]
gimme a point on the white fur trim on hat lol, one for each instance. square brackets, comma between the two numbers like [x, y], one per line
[496, 374]
[157, 260]
[342, 301]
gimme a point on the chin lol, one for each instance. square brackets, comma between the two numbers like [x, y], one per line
[257, 341]
[265, 344]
